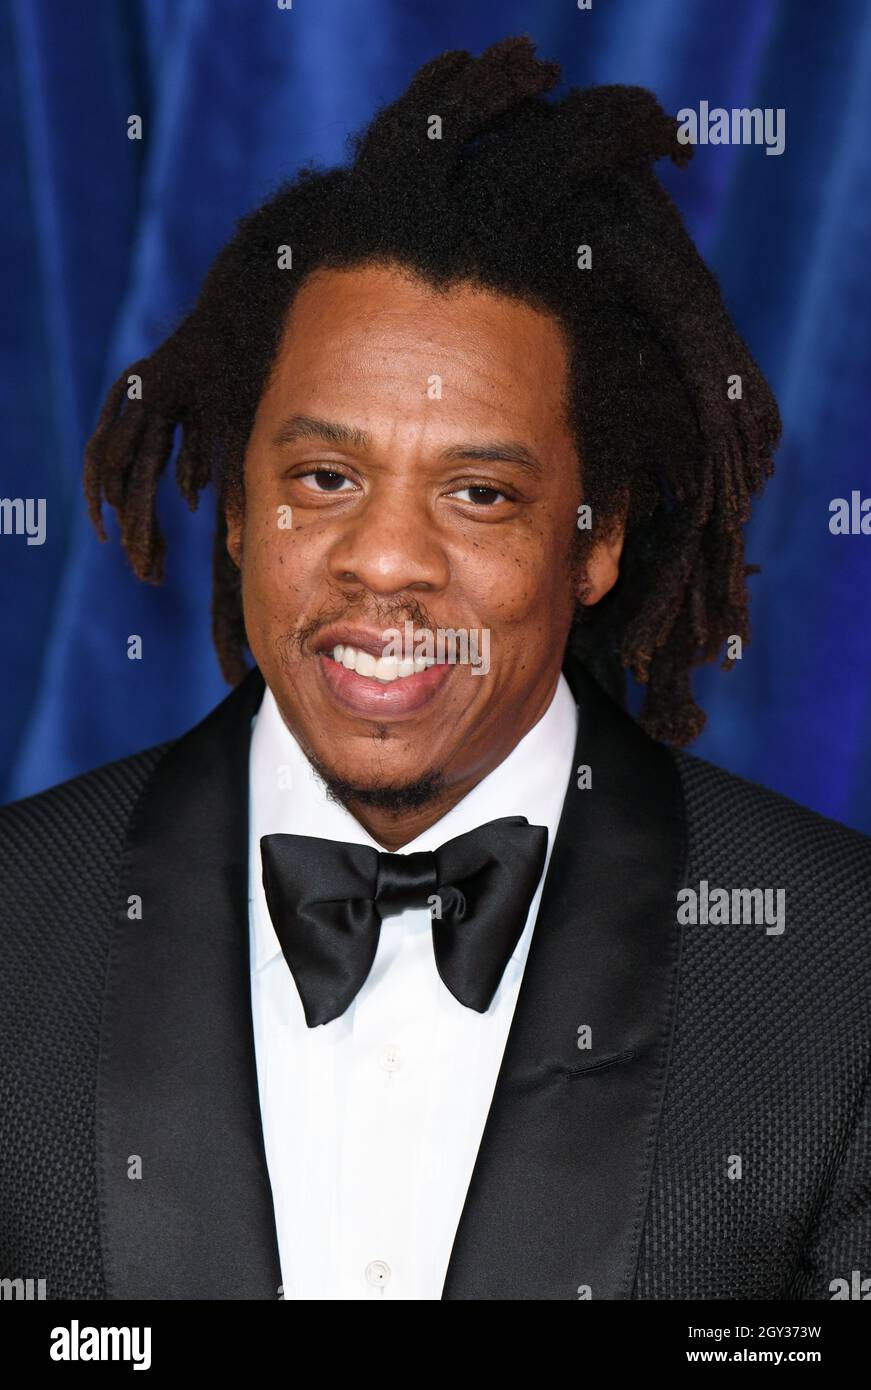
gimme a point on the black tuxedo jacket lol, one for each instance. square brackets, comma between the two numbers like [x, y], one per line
[714, 1141]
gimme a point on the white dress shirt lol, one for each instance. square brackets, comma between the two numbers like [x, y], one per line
[372, 1122]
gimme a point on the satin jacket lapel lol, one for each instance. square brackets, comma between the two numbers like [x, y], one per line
[559, 1190]
[177, 1089]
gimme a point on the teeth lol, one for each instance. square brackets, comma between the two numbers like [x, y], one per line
[385, 668]
[365, 664]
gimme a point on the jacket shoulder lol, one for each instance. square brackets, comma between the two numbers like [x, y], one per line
[743, 835]
[59, 832]
[755, 814]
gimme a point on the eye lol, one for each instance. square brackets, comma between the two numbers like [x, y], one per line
[325, 480]
[479, 494]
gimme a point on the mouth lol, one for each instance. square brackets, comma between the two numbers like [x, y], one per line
[367, 683]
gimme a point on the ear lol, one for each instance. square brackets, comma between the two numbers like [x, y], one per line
[602, 565]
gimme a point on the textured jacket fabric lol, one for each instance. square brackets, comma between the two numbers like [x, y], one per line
[759, 1142]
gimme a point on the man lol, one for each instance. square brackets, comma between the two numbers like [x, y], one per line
[420, 969]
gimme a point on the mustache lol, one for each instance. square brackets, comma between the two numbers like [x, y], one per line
[371, 611]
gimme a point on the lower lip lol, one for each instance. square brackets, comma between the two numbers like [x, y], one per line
[378, 699]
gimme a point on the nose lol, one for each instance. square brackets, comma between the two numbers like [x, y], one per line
[389, 544]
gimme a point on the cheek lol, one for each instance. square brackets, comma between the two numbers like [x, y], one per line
[523, 577]
[270, 568]
[265, 550]
[277, 555]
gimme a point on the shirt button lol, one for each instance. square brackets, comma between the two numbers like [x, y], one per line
[378, 1273]
[391, 1057]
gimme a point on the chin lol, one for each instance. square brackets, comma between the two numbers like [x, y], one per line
[385, 793]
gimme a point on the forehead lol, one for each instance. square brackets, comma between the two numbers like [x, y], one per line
[378, 339]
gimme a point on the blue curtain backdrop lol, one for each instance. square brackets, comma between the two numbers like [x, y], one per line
[105, 241]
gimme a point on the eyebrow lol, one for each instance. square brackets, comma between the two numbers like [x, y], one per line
[334, 432]
[331, 431]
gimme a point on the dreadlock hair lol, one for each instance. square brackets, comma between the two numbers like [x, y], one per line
[505, 198]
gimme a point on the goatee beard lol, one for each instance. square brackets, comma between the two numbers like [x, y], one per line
[394, 799]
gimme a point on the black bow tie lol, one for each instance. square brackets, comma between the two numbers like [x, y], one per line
[327, 900]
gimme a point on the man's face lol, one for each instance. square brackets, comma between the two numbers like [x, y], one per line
[420, 441]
